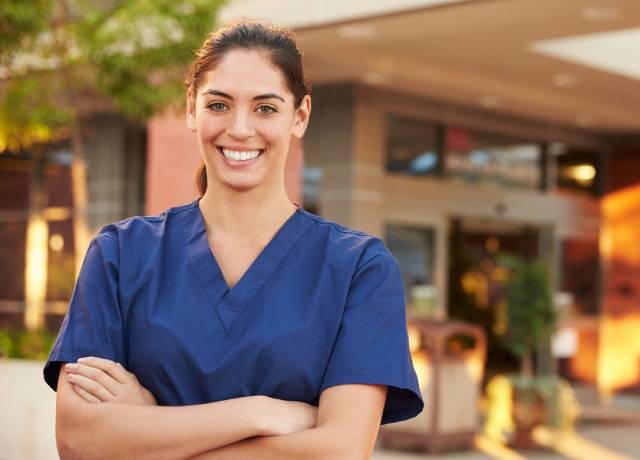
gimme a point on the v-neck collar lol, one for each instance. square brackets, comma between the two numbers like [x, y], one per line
[228, 302]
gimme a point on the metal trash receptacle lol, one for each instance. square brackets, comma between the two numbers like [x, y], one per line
[449, 359]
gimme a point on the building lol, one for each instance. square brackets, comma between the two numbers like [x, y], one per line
[454, 130]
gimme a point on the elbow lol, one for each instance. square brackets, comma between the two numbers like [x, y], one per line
[65, 450]
[69, 439]
[76, 433]
[76, 444]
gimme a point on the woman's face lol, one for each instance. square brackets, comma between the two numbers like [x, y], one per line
[242, 108]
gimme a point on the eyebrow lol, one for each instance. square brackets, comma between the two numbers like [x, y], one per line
[215, 92]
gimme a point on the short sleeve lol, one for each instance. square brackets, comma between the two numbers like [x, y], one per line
[372, 346]
[92, 325]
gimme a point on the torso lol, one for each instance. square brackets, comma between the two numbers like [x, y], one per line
[191, 338]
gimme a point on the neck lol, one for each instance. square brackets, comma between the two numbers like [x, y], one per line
[248, 214]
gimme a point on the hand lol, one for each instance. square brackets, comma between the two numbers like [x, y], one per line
[100, 380]
[285, 417]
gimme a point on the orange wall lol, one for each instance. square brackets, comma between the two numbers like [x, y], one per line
[619, 357]
[173, 157]
[582, 366]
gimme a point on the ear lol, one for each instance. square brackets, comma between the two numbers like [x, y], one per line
[301, 117]
[191, 109]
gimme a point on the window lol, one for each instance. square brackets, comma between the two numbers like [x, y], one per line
[412, 146]
[420, 148]
[414, 248]
[475, 156]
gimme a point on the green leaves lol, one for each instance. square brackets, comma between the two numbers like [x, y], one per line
[128, 54]
[20, 21]
[530, 311]
[30, 114]
[141, 49]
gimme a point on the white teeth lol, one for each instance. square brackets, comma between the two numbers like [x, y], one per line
[240, 155]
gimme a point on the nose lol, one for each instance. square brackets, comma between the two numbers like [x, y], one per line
[241, 126]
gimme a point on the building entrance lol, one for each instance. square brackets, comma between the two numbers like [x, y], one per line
[477, 279]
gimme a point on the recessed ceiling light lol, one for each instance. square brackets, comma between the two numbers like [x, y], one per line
[563, 80]
[375, 78]
[584, 121]
[600, 13]
[616, 51]
[358, 31]
[490, 102]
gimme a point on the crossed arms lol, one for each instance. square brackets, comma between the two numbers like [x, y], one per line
[346, 427]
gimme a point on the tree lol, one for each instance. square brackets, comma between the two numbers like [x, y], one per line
[129, 55]
[530, 311]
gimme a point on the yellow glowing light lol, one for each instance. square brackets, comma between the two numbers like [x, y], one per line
[56, 242]
[583, 174]
[36, 271]
[422, 366]
[495, 449]
[415, 341]
[498, 421]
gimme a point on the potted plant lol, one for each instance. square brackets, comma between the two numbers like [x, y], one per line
[533, 399]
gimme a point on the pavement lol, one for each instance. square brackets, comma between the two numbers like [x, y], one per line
[605, 432]
[613, 441]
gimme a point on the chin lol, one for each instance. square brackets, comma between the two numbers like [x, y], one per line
[242, 185]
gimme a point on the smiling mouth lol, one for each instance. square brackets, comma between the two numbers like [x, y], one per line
[240, 155]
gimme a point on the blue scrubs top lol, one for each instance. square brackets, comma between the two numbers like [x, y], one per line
[321, 305]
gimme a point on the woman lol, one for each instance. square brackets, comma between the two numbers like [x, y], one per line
[218, 327]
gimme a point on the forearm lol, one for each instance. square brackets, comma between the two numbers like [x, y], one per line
[116, 430]
[313, 444]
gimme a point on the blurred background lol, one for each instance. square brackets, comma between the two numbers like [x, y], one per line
[493, 144]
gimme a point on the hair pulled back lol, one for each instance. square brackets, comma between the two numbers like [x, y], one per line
[248, 34]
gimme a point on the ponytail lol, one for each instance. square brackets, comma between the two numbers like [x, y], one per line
[201, 178]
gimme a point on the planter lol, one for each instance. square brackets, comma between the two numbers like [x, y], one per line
[517, 405]
[527, 414]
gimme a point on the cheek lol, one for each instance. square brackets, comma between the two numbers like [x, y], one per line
[208, 127]
[276, 132]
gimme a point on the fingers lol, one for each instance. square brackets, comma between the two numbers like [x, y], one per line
[85, 395]
[112, 368]
[108, 374]
[91, 387]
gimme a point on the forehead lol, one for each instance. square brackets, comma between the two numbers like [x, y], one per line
[246, 73]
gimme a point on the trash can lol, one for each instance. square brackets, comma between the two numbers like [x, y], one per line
[449, 359]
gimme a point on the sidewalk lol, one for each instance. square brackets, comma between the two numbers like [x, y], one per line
[622, 440]
[383, 454]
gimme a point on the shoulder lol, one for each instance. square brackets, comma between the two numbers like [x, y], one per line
[128, 240]
[346, 242]
[142, 227]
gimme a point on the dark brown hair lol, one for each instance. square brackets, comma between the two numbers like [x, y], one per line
[249, 34]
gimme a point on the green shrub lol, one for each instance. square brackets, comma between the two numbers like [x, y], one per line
[23, 344]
